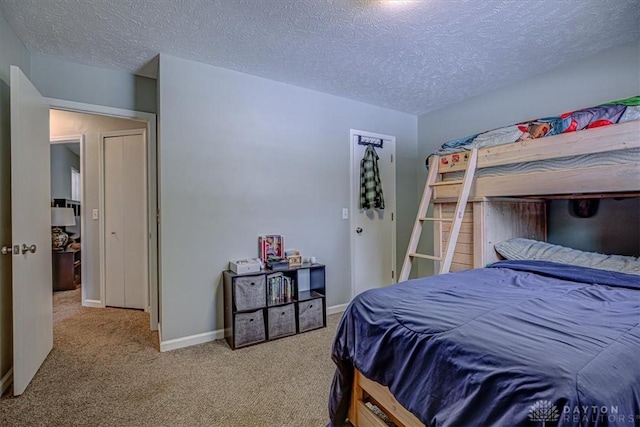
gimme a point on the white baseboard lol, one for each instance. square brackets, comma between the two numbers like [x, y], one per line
[92, 303]
[6, 381]
[336, 308]
[215, 335]
[190, 340]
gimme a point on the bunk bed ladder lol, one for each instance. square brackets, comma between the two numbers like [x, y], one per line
[446, 257]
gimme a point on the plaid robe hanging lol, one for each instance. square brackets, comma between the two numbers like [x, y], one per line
[370, 186]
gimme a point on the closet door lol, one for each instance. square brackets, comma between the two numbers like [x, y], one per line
[114, 221]
[134, 213]
[125, 221]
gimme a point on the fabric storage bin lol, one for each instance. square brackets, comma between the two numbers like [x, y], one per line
[282, 321]
[310, 314]
[249, 292]
[249, 328]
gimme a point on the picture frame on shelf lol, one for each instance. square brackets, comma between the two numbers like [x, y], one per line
[270, 245]
[294, 260]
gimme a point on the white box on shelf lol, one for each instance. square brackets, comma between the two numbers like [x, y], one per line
[243, 266]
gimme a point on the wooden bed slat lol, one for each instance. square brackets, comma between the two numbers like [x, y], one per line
[366, 418]
[466, 227]
[460, 267]
[385, 401]
[463, 248]
[462, 237]
[450, 208]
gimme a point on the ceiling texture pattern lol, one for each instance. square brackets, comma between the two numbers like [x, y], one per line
[411, 56]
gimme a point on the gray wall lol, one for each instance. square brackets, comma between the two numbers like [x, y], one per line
[66, 123]
[231, 145]
[62, 160]
[12, 52]
[611, 75]
[57, 78]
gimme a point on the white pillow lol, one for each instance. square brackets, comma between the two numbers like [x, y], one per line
[526, 249]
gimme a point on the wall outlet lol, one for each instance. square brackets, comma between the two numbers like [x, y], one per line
[94, 214]
[345, 213]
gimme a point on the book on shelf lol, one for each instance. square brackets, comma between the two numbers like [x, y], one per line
[280, 288]
[288, 288]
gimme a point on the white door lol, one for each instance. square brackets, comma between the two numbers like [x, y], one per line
[373, 232]
[31, 230]
[125, 218]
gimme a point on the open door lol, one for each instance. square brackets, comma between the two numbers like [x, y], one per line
[31, 230]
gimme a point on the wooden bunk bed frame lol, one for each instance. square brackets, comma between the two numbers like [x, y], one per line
[594, 179]
[496, 200]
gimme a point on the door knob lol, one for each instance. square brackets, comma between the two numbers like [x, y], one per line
[26, 248]
[359, 230]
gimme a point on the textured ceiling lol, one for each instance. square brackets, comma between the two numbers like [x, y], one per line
[413, 56]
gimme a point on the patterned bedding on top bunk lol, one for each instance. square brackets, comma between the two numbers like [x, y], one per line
[621, 111]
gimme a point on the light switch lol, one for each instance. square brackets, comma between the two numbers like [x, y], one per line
[345, 213]
[94, 214]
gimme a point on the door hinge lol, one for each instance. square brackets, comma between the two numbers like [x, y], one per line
[392, 158]
[393, 274]
[391, 216]
[158, 216]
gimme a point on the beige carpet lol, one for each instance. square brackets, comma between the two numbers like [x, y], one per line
[105, 370]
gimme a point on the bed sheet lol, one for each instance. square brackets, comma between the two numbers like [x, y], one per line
[506, 345]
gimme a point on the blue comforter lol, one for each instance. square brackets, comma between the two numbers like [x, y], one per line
[521, 343]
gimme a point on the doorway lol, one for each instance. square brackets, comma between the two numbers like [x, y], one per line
[93, 123]
[373, 231]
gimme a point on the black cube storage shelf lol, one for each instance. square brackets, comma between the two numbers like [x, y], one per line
[252, 317]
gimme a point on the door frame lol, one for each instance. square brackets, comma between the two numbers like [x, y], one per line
[154, 250]
[101, 207]
[353, 204]
[79, 139]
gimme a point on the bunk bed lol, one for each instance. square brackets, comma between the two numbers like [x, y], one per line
[386, 334]
[593, 152]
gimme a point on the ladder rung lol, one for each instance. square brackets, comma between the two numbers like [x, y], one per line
[435, 258]
[454, 182]
[436, 219]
